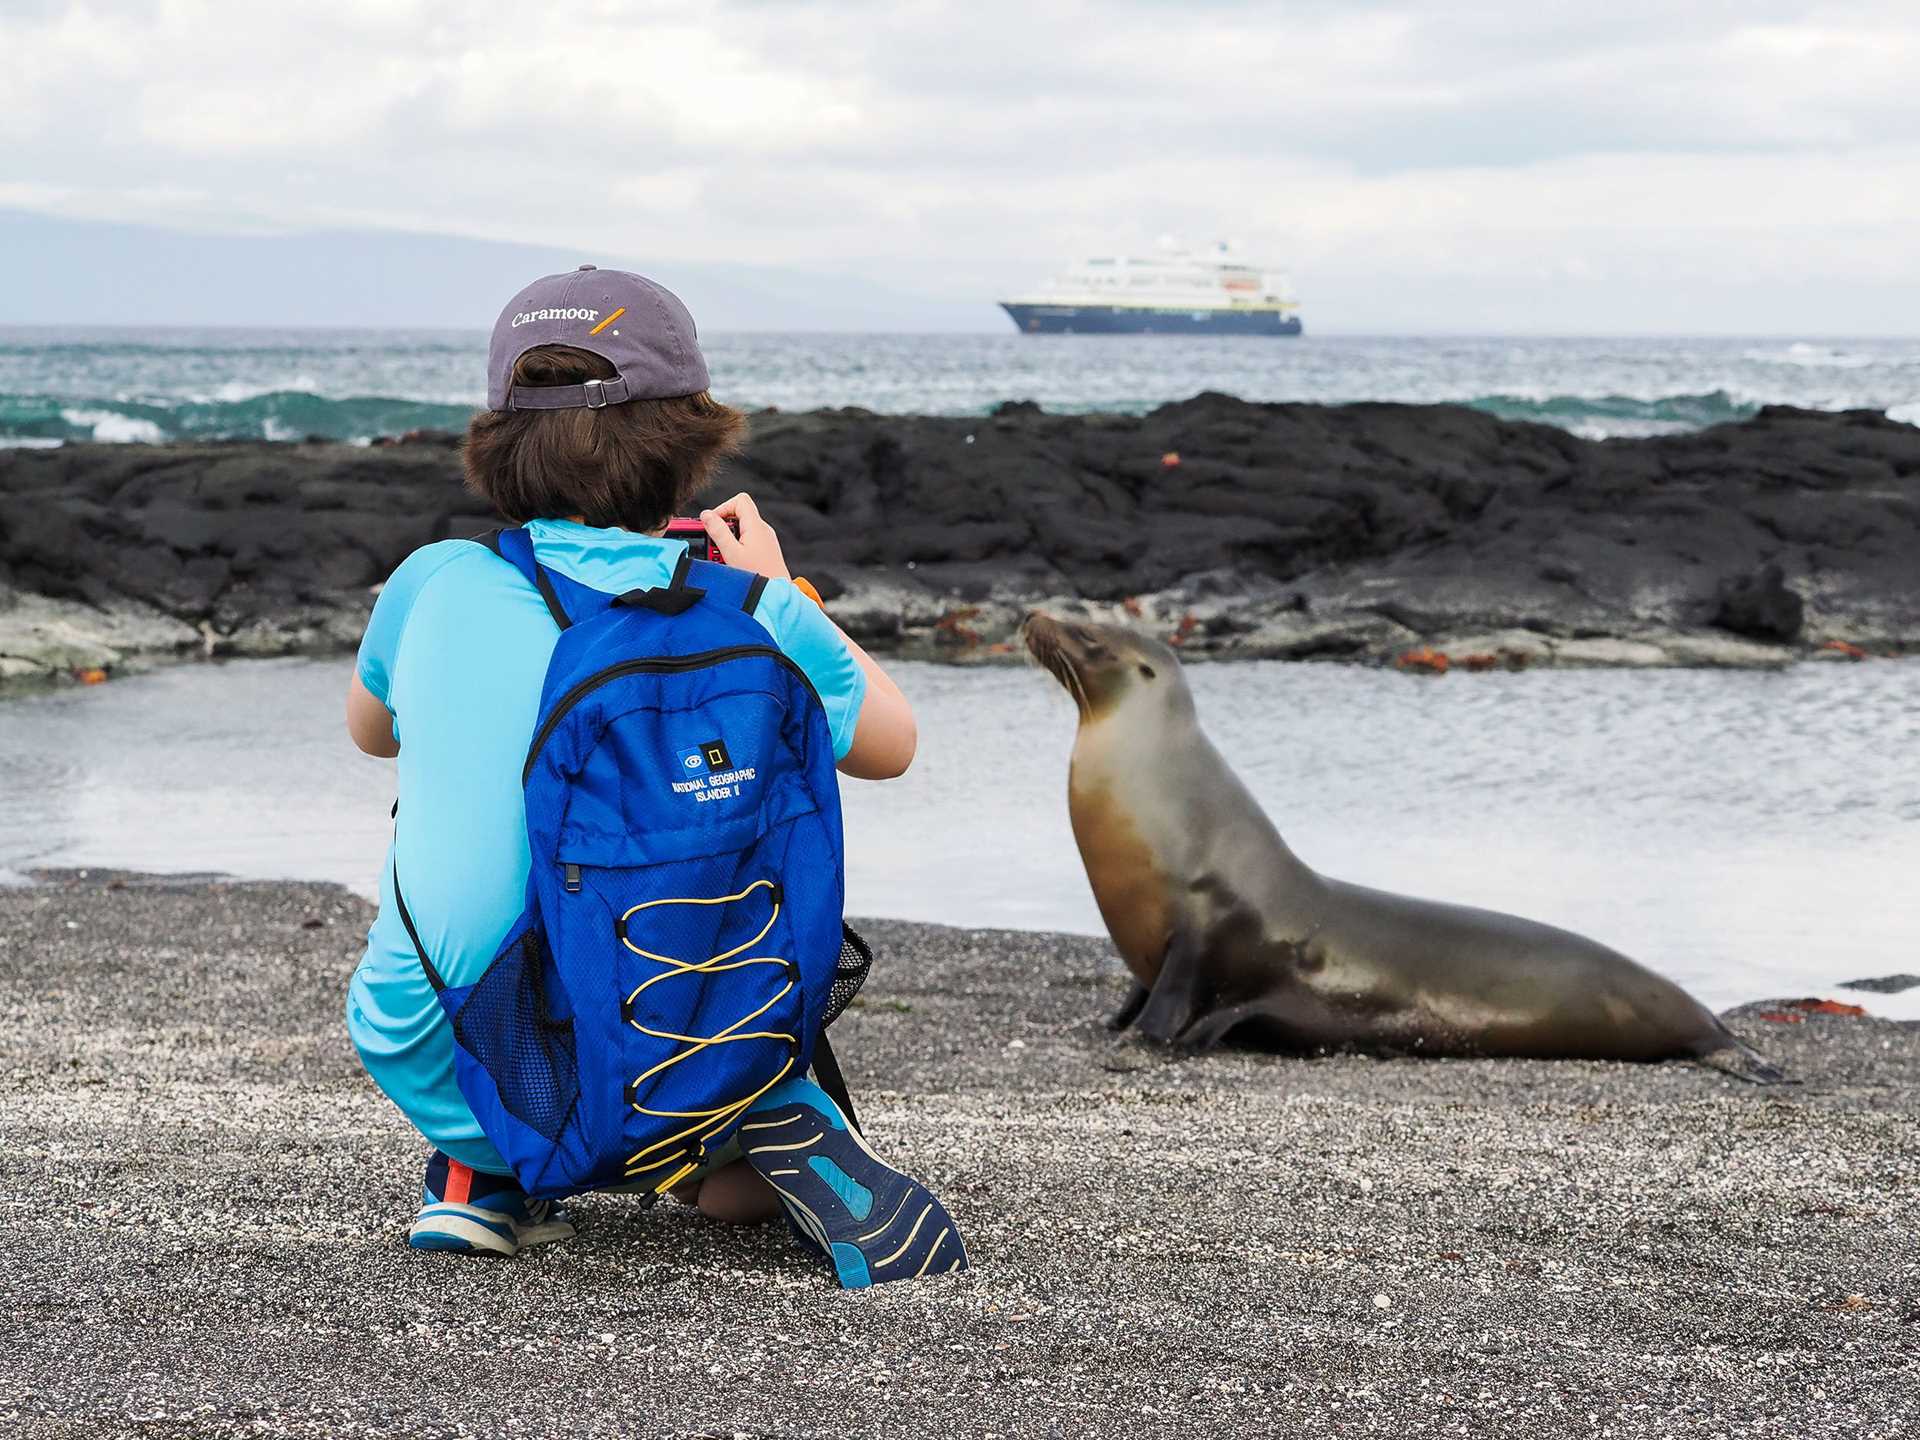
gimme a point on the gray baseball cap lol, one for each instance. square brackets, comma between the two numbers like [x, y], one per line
[641, 328]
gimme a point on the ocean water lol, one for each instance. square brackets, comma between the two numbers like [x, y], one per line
[1747, 834]
[152, 385]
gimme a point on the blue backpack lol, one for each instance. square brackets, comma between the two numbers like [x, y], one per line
[682, 945]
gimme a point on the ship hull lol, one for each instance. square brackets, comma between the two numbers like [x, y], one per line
[1142, 320]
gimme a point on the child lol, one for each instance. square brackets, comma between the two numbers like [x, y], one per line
[599, 429]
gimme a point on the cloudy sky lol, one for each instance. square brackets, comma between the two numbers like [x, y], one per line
[1484, 164]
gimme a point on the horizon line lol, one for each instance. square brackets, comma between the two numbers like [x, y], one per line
[854, 333]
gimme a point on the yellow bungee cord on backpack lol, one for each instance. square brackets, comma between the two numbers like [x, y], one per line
[711, 1122]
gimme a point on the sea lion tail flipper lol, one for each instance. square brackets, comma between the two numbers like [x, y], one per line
[1743, 1062]
[1129, 1010]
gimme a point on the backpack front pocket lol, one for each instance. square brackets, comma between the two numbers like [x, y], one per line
[698, 758]
[708, 998]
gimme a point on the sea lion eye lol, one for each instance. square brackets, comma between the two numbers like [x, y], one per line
[1147, 670]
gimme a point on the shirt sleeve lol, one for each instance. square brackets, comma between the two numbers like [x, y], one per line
[380, 646]
[802, 630]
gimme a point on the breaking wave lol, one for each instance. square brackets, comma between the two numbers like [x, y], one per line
[232, 413]
[273, 415]
[1802, 356]
[1619, 414]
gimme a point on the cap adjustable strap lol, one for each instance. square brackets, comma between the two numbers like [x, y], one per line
[593, 395]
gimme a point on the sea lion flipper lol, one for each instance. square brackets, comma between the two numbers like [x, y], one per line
[1211, 1028]
[1174, 1002]
[1129, 1010]
[1743, 1062]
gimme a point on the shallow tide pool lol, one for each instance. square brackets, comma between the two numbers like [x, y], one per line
[1746, 834]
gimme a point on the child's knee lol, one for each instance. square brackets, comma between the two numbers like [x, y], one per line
[736, 1195]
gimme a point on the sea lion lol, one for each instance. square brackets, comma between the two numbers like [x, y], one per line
[1225, 930]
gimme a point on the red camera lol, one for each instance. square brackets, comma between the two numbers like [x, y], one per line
[699, 544]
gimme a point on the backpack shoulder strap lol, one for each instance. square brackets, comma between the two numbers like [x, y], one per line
[406, 915]
[697, 580]
[413, 934]
[826, 1069]
[734, 588]
[515, 547]
[726, 585]
[676, 597]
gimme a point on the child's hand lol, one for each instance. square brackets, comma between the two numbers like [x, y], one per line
[755, 548]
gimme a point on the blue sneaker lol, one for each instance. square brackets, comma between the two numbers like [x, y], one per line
[473, 1213]
[871, 1222]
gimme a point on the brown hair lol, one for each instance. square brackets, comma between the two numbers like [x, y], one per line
[633, 465]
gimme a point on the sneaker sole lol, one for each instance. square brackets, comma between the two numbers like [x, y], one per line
[463, 1229]
[875, 1224]
[546, 1233]
[471, 1230]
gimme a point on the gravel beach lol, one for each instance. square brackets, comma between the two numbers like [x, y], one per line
[204, 1203]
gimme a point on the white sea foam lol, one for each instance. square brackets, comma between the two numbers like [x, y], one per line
[233, 392]
[1907, 415]
[1812, 357]
[114, 428]
[29, 442]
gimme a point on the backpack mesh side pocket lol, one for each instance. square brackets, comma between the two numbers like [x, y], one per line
[508, 1025]
[849, 974]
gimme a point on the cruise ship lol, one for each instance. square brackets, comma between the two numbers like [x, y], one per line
[1177, 292]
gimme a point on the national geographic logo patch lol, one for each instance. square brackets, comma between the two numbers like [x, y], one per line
[707, 772]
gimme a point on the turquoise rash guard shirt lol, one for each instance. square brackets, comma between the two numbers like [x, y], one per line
[457, 650]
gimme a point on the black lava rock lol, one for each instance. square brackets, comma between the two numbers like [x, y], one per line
[1883, 984]
[1761, 606]
[1442, 511]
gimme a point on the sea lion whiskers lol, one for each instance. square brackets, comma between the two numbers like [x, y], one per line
[1074, 687]
[1102, 666]
[1041, 633]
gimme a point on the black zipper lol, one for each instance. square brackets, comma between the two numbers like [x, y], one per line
[658, 665]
